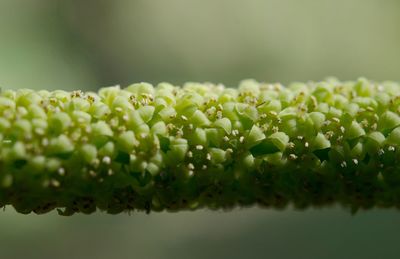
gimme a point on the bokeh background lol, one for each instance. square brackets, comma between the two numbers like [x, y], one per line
[51, 44]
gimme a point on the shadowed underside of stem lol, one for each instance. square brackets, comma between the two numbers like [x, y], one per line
[201, 145]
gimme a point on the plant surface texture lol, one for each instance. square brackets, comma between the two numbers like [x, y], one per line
[201, 145]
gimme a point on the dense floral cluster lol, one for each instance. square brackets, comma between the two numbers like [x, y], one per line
[201, 145]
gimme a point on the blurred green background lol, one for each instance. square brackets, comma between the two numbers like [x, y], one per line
[50, 44]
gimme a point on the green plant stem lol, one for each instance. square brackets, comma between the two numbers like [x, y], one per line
[201, 145]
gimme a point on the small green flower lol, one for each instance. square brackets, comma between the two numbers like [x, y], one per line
[201, 145]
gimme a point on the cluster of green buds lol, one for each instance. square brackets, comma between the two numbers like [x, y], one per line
[201, 145]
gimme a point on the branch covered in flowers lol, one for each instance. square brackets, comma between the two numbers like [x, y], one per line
[201, 145]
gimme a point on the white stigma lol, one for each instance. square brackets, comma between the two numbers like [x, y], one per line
[106, 160]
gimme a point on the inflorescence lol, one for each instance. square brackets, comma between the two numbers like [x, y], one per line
[201, 145]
